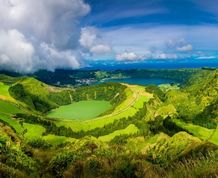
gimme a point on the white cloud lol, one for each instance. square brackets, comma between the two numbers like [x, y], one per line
[16, 52]
[51, 22]
[128, 56]
[207, 57]
[91, 41]
[100, 49]
[180, 45]
[148, 37]
[54, 58]
[88, 37]
[139, 39]
[187, 47]
[147, 55]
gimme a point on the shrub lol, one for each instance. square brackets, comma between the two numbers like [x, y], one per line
[6, 171]
[94, 166]
[61, 162]
[39, 143]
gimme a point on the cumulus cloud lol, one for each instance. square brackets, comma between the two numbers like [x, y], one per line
[128, 56]
[88, 37]
[52, 21]
[36, 23]
[147, 55]
[16, 52]
[180, 45]
[100, 49]
[187, 47]
[92, 42]
[54, 57]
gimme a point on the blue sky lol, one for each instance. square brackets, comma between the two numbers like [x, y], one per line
[66, 34]
[155, 29]
[109, 13]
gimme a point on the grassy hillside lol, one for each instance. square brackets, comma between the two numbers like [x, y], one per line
[204, 85]
[38, 95]
[130, 130]
[42, 97]
[152, 131]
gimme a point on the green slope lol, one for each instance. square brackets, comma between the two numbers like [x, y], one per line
[130, 130]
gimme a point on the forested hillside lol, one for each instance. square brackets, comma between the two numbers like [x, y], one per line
[149, 131]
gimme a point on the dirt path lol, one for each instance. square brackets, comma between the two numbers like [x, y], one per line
[71, 99]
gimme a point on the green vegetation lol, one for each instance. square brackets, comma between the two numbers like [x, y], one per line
[110, 130]
[57, 140]
[33, 131]
[136, 96]
[130, 130]
[198, 131]
[8, 80]
[4, 118]
[4, 94]
[7, 110]
[82, 110]
[38, 95]
[166, 149]
[101, 74]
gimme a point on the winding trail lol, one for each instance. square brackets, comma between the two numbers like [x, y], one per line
[71, 98]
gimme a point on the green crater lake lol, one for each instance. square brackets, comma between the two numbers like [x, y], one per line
[82, 110]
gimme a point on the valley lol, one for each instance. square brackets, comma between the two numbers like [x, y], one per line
[109, 129]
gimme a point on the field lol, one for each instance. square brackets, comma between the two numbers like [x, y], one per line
[83, 110]
[11, 122]
[4, 94]
[4, 89]
[33, 131]
[7, 110]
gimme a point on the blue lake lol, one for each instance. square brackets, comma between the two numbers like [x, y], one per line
[142, 81]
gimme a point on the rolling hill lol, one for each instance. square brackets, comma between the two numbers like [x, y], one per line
[130, 130]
